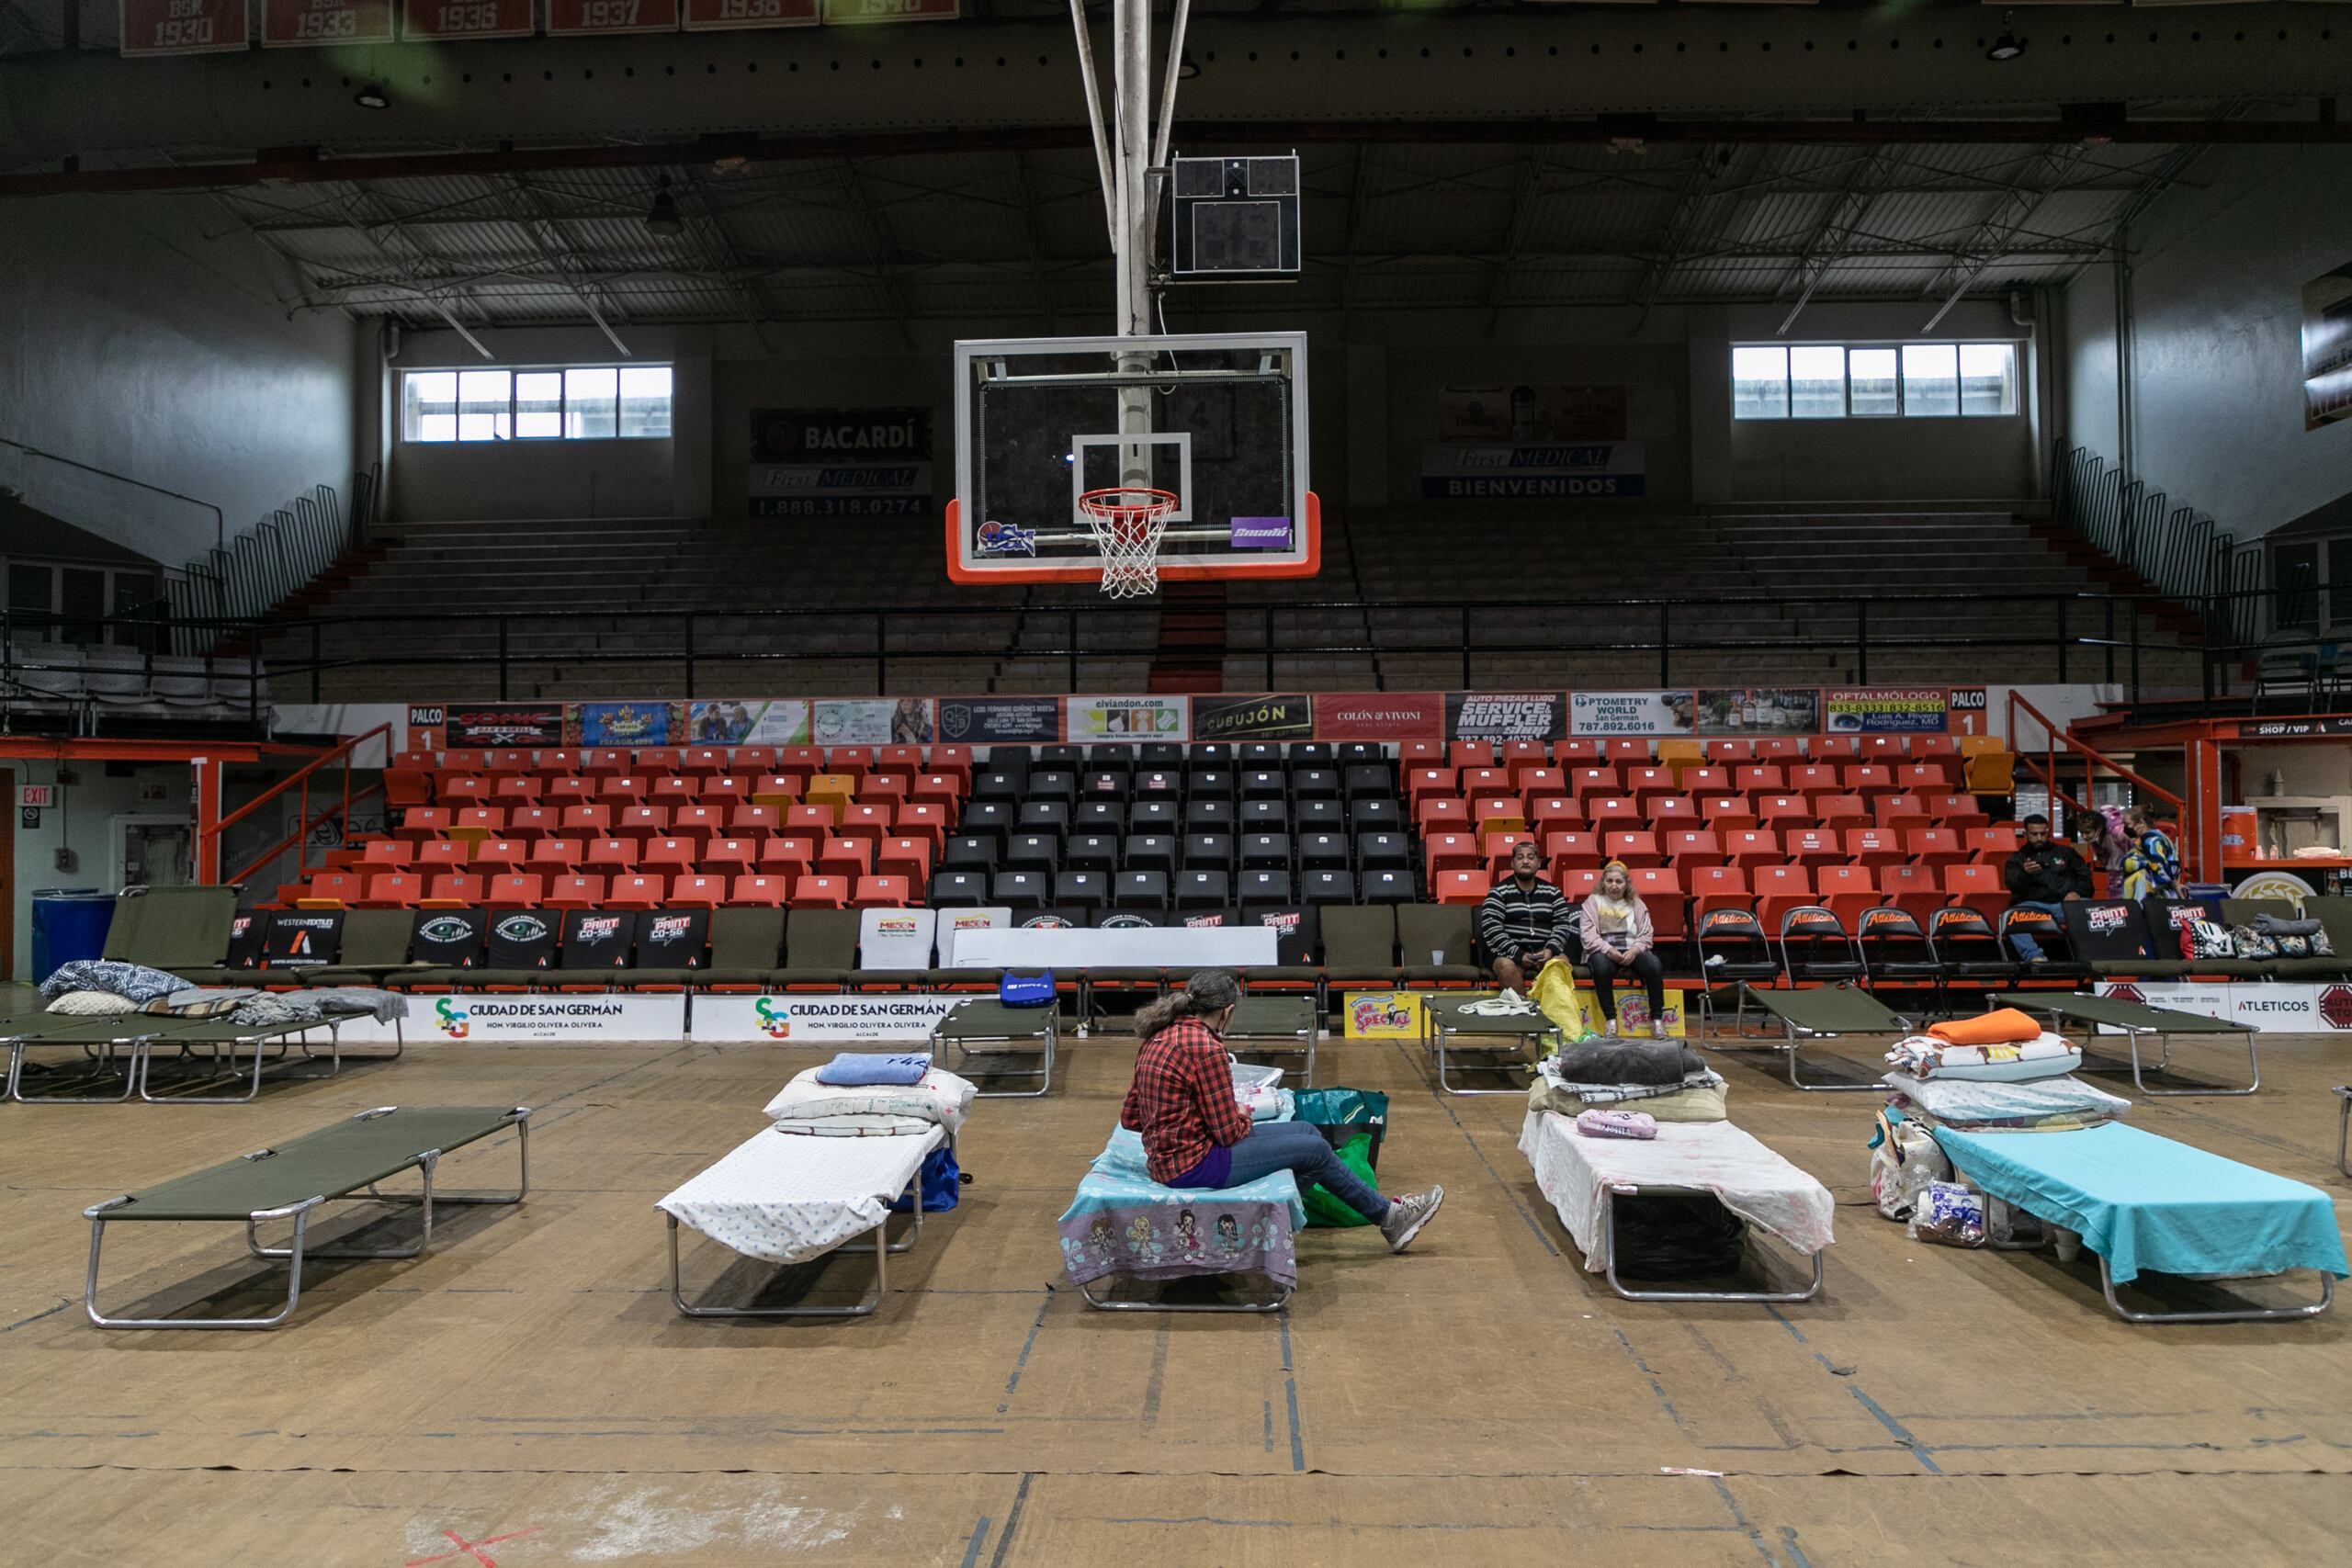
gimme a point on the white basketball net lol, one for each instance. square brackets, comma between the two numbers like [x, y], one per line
[1128, 524]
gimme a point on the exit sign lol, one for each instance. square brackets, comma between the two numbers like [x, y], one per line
[39, 797]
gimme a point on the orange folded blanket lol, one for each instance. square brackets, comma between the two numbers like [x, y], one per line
[2002, 1026]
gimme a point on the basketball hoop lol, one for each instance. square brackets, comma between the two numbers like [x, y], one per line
[1127, 521]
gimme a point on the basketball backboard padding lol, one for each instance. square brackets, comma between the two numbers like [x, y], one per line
[1218, 420]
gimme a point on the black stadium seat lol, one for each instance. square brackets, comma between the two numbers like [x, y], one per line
[1328, 887]
[1150, 852]
[1204, 891]
[955, 889]
[1266, 851]
[1020, 889]
[1140, 890]
[1093, 851]
[1261, 885]
[1086, 889]
[1207, 851]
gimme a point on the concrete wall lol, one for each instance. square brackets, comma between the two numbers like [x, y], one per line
[2213, 361]
[83, 821]
[151, 336]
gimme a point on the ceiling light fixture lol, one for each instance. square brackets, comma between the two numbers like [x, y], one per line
[1188, 67]
[662, 217]
[2009, 46]
[372, 96]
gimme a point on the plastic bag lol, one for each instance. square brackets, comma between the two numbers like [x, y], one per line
[1949, 1215]
[1322, 1209]
[1905, 1160]
[943, 1184]
[1555, 993]
[1332, 1111]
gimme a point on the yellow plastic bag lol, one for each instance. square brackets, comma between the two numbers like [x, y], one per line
[1555, 994]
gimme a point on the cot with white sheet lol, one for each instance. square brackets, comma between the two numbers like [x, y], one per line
[1123, 1224]
[826, 1172]
[2144, 1204]
[1582, 1177]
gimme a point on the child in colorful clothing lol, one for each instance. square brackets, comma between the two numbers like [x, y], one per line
[2151, 864]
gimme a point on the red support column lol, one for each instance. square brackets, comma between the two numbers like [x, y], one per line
[207, 819]
[2202, 853]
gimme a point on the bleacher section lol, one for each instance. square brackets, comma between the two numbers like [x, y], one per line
[1737, 845]
[1015, 640]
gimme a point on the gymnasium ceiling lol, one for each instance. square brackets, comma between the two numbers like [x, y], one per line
[1695, 164]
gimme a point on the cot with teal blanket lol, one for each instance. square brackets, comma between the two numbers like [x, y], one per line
[2147, 1205]
[1123, 1224]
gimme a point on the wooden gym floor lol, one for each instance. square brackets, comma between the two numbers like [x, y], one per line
[524, 1393]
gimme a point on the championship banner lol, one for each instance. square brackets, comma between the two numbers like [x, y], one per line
[1887, 710]
[308, 24]
[578, 18]
[840, 463]
[466, 19]
[626, 724]
[873, 721]
[1506, 715]
[727, 16]
[998, 721]
[1125, 718]
[1630, 713]
[1287, 717]
[820, 1018]
[1606, 470]
[850, 13]
[1379, 715]
[481, 726]
[184, 27]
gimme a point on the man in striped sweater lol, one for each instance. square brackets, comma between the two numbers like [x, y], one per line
[1525, 922]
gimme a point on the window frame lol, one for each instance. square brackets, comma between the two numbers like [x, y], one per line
[505, 427]
[1902, 410]
[111, 608]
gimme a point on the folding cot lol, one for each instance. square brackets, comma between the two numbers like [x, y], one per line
[2133, 1019]
[2143, 1203]
[223, 1036]
[983, 1022]
[2344, 1129]
[1485, 1014]
[1583, 1178]
[823, 1173]
[343, 1161]
[140, 1033]
[1280, 1026]
[1122, 1224]
[1819, 1013]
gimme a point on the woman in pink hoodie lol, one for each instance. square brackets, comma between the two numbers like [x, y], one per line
[1615, 926]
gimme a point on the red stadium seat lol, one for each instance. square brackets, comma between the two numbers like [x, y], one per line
[391, 890]
[698, 822]
[1783, 812]
[885, 789]
[454, 788]
[1576, 752]
[421, 822]
[1440, 814]
[1869, 779]
[1992, 844]
[788, 856]
[814, 821]
[1553, 813]
[338, 886]
[533, 822]
[1661, 889]
[557, 763]
[724, 790]
[753, 821]
[880, 893]
[1915, 889]
[1646, 784]
[671, 791]
[1499, 847]
[574, 891]
[802, 760]
[1713, 886]
[1934, 847]
[1891, 750]
[1451, 852]
[728, 857]
[1592, 778]
[492, 856]
[654, 761]
[1728, 813]
[1924, 778]
[904, 760]
[924, 820]
[568, 792]
[1978, 887]
[1842, 748]
[1638, 848]
[1577, 847]
[1900, 812]
[698, 892]
[619, 790]
[852, 762]
[1813, 847]
[513, 890]
[668, 857]
[1731, 752]
[519, 789]
[819, 893]
[1957, 812]
[1577, 884]
[1811, 779]
[442, 855]
[465, 760]
[610, 856]
[553, 857]
[1476, 781]
[1427, 782]
[1672, 811]
[1709, 779]
[478, 823]
[1752, 848]
[778, 789]
[1627, 748]
[1463, 887]
[1608, 811]
[769, 892]
[1470, 754]
[1759, 779]
[847, 859]
[1421, 755]
[701, 762]
[1516, 751]
[1780, 888]
[1841, 813]
[1688, 849]
[864, 819]
[904, 857]
[1874, 846]
[1847, 890]
[1535, 778]
[636, 893]
[642, 822]
[454, 890]
[389, 854]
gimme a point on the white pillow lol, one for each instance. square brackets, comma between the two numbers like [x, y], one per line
[941, 1097]
[92, 1004]
[1964, 1101]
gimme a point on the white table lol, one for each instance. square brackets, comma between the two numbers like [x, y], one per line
[1067, 948]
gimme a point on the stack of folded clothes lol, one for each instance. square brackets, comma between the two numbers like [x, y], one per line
[1663, 1078]
[1997, 1072]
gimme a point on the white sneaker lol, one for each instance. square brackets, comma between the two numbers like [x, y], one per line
[1408, 1214]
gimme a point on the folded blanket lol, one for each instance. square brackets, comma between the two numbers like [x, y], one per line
[135, 981]
[1701, 1103]
[1925, 1057]
[1605, 1060]
[2002, 1026]
[861, 1069]
[1698, 1077]
[941, 1099]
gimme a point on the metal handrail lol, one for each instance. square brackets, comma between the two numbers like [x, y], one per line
[2046, 771]
[304, 821]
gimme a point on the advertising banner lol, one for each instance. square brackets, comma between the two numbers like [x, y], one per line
[1125, 718]
[483, 725]
[739, 722]
[2285, 1007]
[183, 27]
[308, 24]
[873, 721]
[991, 721]
[626, 724]
[1379, 715]
[1506, 715]
[727, 16]
[840, 463]
[895, 939]
[572, 1019]
[580, 16]
[1887, 710]
[1381, 1015]
[1630, 713]
[953, 923]
[1759, 710]
[820, 1018]
[1289, 717]
[1602, 471]
[1520, 414]
[2291, 729]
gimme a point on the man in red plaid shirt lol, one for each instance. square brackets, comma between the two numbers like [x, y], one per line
[1195, 1134]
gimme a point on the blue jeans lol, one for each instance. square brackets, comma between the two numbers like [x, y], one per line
[2028, 948]
[1303, 1152]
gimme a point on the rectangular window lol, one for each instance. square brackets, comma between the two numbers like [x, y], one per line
[1930, 380]
[1760, 383]
[32, 602]
[538, 404]
[2339, 583]
[645, 400]
[431, 405]
[83, 600]
[1870, 381]
[1818, 382]
[591, 398]
[1988, 379]
[585, 403]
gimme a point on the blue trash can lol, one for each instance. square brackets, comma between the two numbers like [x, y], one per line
[68, 923]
